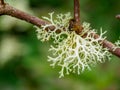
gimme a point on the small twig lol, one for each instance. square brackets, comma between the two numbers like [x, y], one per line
[11, 11]
[75, 23]
[118, 16]
[77, 11]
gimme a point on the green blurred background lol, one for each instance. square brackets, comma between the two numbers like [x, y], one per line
[23, 58]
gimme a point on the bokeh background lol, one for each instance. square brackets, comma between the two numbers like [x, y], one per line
[23, 58]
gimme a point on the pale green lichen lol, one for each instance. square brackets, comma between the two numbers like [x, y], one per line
[117, 43]
[71, 51]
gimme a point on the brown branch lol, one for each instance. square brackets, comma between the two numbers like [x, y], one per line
[11, 11]
[110, 46]
[1, 2]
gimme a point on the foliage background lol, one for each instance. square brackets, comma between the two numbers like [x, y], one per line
[23, 58]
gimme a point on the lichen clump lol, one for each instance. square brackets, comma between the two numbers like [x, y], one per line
[71, 51]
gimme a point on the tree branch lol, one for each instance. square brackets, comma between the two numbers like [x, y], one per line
[110, 46]
[11, 11]
[1, 2]
[75, 23]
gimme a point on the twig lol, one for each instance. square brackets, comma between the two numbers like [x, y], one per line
[11, 11]
[118, 16]
[77, 11]
[75, 23]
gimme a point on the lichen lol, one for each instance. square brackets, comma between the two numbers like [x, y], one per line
[71, 51]
[117, 43]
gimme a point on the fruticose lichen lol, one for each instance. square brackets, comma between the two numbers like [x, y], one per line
[117, 43]
[72, 52]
